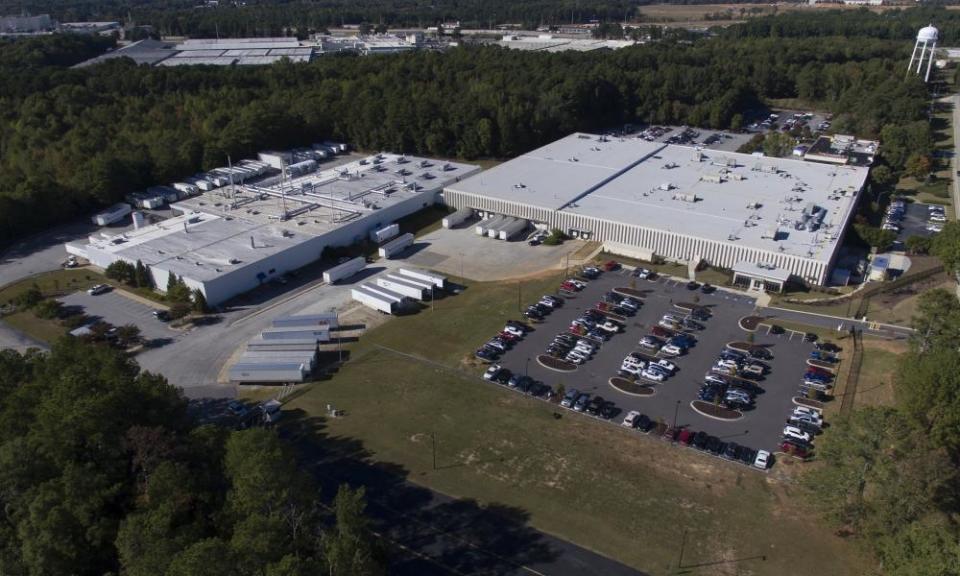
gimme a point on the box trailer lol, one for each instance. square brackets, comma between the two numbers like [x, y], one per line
[513, 229]
[484, 226]
[494, 231]
[298, 333]
[396, 246]
[112, 214]
[269, 372]
[373, 300]
[401, 286]
[258, 344]
[423, 284]
[458, 217]
[435, 279]
[345, 270]
[328, 319]
[186, 188]
[308, 359]
[385, 233]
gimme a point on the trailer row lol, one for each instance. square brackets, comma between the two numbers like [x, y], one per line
[286, 352]
[391, 292]
[502, 227]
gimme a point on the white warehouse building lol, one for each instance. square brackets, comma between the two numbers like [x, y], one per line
[231, 240]
[766, 218]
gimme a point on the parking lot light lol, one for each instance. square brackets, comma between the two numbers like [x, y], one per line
[676, 412]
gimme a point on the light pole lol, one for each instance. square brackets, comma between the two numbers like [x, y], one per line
[433, 442]
[526, 368]
[676, 412]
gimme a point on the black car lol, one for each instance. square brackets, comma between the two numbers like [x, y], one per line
[699, 440]
[644, 424]
[810, 337]
[707, 288]
[760, 353]
[161, 315]
[689, 324]
[593, 408]
[714, 445]
[692, 285]
[608, 410]
[533, 315]
[486, 354]
[519, 325]
[701, 314]
[827, 347]
[541, 390]
[731, 451]
[747, 455]
[503, 376]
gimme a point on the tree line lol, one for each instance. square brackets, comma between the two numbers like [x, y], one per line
[103, 471]
[889, 473]
[72, 140]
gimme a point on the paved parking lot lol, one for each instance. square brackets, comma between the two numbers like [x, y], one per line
[915, 221]
[759, 428]
[120, 310]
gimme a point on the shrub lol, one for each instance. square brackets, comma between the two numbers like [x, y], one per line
[48, 309]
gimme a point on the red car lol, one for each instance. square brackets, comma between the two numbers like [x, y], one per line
[821, 371]
[603, 306]
[508, 336]
[661, 332]
[568, 287]
[795, 450]
[685, 436]
[611, 265]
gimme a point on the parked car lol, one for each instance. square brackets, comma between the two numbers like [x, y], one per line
[731, 451]
[492, 372]
[672, 350]
[161, 315]
[667, 364]
[706, 288]
[795, 449]
[644, 424]
[653, 375]
[760, 353]
[693, 285]
[611, 265]
[487, 354]
[630, 420]
[582, 401]
[792, 432]
[685, 436]
[99, 289]
[762, 460]
[511, 329]
[569, 398]
[591, 272]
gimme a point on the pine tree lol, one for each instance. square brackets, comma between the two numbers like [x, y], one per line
[199, 302]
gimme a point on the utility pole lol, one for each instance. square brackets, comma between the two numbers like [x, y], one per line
[433, 439]
[676, 412]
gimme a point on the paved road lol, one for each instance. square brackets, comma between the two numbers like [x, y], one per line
[16, 340]
[835, 322]
[41, 252]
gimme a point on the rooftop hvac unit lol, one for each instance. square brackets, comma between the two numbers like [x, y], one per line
[686, 197]
[667, 186]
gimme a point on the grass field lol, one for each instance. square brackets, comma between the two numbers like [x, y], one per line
[900, 306]
[627, 497]
[880, 363]
[55, 283]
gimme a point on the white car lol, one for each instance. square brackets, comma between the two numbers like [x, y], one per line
[652, 375]
[795, 433]
[580, 285]
[631, 369]
[575, 358]
[762, 461]
[583, 348]
[672, 318]
[513, 330]
[642, 273]
[723, 370]
[609, 327]
[667, 364]
[668, 324]
[805, 411]
[548, 303]
[726, 363]
[630, 303]
[492, 372]
[935, 217]
[630, 419]
[671, 350]
[98, 289]
[934, 228]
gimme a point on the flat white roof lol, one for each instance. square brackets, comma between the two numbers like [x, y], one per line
[739, 198]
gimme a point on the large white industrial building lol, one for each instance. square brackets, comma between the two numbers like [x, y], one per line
[231, 240]
[768, 219]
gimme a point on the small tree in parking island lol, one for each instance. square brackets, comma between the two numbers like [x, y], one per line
[561, 391]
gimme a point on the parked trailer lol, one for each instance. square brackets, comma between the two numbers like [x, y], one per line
[401, 286]
[385, 233]
[513, 229]
[257, 344]
[485, 225]
[258, 356]
[186, 188]
[269, 372]
[345, 270]
[396, 246]
[425, 285]
[435, 279]
[494, 231]
[328, 319]
[373, 300]
[296, 333]
[112, 214]
[458, 217]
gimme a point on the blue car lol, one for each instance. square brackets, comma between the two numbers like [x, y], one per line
[682, 340]
[817, 377]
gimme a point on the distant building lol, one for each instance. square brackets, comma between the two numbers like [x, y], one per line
[14, 25]
[841, 149]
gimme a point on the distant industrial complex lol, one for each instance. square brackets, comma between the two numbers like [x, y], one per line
[237, 236]
[767, 219]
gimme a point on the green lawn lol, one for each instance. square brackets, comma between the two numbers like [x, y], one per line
[37, 328]
[880, 364]
[628, 497]
[55, 283]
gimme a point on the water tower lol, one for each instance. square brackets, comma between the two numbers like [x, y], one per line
[926, 45]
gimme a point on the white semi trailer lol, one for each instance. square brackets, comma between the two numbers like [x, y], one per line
[435, 279]
[400, 286]
[396, 246]
[458, 217]
[511, 230]
[345, 270]
[374, 300]
[383, 234]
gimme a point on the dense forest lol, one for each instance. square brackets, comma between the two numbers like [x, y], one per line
[75, 139]
[102, 471]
